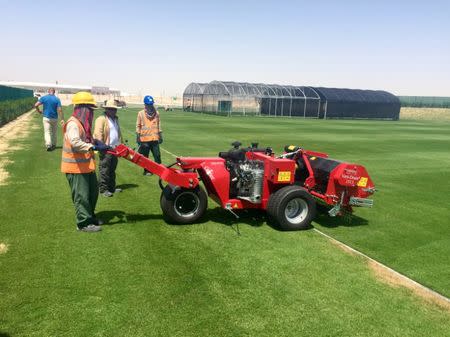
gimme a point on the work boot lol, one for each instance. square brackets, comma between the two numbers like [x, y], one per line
[49, 148]
[90, 229]
[107, 194]
[98, 222]
[117, 190]
[148, 174]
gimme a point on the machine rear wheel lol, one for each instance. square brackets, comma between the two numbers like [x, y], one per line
[291, 208]
[183, 205]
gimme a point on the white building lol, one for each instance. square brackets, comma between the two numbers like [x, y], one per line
[65, 91]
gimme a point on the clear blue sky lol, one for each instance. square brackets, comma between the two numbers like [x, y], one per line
[159, 47]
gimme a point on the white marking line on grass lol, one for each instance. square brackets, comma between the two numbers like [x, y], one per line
[169, 152]
[379, 264]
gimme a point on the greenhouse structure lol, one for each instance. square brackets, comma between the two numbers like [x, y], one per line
[239, 98]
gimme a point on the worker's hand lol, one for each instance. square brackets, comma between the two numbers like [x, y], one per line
[160, 141]
[138, 140]
[62, 122]
[100, 146]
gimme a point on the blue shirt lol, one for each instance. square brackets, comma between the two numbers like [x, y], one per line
[51, 104]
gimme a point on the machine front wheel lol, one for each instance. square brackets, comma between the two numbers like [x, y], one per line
[183, 205]
[291, 208]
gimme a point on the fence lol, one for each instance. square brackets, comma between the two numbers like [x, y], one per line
[10, 93]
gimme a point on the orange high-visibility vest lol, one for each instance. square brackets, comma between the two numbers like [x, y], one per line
[73, 161]
[150, 127]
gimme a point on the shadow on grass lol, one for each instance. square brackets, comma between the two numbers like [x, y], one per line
[220, 216]
[127, 186]
[114, 217]
[4, 334]
[347, 220]
[257, 218]
[251, 217]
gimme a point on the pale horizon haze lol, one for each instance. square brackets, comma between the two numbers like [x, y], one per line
[158, 48]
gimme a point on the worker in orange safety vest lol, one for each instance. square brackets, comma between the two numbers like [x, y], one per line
[78, 161]
[148, 131]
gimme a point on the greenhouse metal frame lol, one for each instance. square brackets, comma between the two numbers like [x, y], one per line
[242, 98]
[229, 98]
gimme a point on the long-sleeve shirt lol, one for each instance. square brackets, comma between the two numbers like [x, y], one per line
[103, 130]
[73, 136]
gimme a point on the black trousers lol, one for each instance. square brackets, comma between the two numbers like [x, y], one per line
[153, 146]
[107, 173]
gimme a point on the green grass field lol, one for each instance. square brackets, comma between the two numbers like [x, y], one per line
[143, 277]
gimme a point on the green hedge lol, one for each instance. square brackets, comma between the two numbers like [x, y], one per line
[424, 101]
[11, 109]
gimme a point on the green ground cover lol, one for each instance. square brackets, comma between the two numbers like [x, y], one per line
[143, 277]
[11, 109]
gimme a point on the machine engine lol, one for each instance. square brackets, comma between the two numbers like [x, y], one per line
[246, 176]
[249, 180]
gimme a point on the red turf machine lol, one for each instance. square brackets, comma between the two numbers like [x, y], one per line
[286, 186]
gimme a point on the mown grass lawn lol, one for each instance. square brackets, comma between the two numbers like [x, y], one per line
[143, 277]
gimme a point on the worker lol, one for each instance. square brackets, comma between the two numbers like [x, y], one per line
[78, 161]
[52, 110]
[107, 130]
[148, 131]
[188, 106]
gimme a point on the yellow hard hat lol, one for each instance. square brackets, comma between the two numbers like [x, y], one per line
[83, 97]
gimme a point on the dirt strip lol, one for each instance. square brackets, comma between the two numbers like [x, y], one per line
[392, 277]
[9, 135]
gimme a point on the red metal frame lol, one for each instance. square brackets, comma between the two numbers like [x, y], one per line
[172, 176]
[345, 180]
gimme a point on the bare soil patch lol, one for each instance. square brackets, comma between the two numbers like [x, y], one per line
[3, 248]
[440, 114]
[9, 134]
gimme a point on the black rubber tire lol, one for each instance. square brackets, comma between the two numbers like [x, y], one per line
[294, 200]
[184, 206]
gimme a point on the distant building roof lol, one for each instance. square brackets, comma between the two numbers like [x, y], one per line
[45, 86]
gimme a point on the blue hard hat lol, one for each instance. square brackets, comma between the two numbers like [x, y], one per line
[149, 100]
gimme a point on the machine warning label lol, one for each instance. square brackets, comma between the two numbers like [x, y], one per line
[284, 176]
[362, 182]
